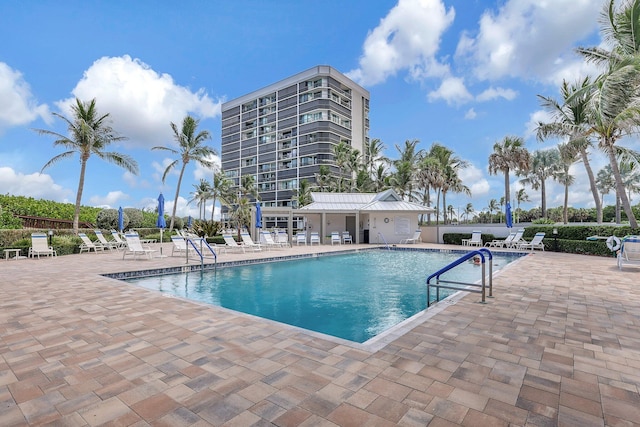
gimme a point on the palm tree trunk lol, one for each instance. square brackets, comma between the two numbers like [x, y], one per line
[565, 213]
[507, 190]
[592, 184]
[213, 208]
[76, 213]
[175, 200]
[620, 190]
[444, 207]
[544, 198]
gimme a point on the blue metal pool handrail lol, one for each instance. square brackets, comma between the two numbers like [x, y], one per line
[202, 240]
[479, 252]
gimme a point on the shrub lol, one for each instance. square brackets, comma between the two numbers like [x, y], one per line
[207, 228]
[136, 219]
[107, 219]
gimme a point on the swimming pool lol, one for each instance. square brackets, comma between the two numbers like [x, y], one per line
[354, 296]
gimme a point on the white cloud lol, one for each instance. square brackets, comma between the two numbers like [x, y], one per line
[474, 178]
[17, 103]
[113, 198]
[452, 90]
[497, 92]
[539, 116]
[36, 185]
[140, 101]
[470, 114]
[201, 172]
[408, 38]
[529, 38]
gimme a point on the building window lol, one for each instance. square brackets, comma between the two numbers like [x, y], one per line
[311, 117]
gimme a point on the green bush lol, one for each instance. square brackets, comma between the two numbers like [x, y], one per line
[107, 219]
[136, 219]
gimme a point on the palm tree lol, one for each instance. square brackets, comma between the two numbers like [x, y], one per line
[427, 174]
[201, 194]
[447, 179]
[570, 120]
[613, 110]
[248, 187]
[521, 197]
[544, 164]
[605, 182]
[89, 133]
[493, 207]
[468, 211]
[303, 193]
[323, 178]
[403, 178]
[568, 156]
[373, 156]
[191, 148]
[502, 204]
[509, 154]
[220, 187]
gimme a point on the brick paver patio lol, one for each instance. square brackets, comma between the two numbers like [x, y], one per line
[558, 345]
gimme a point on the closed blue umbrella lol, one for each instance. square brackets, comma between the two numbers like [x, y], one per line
[161, 222]
[509, 219]
[189, 222]
[258, 215]
[120, 219]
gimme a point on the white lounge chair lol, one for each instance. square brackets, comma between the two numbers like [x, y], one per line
[335, 238]
[39, 246]
[346, 237]
[516, 239]
[106, 243]
[135, 248]
[475, 240]
[248, 242]
[180, 246]
[535, 243]
[314, 237]
[88, 246]
[501, 243]
[413, 239]
[266, 239]
[301, 237]
[230, 244]
[282, 238]
[629, 251]
[116, 237]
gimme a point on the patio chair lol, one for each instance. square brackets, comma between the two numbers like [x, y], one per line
[106, 243]
[266, 239]
[39, 246]
[230, 244]
[87, 245]
[335, 238]
[535, 243]
[248, 241]
[180, 246]
[629, 251]
[135, 248]
[314, 237]
[301, 237]
[282, 238]
[413, 239]
[116, 237]
[475, 240]
[501, 243]
[346, 237]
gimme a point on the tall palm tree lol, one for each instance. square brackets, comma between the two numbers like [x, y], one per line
[220, 187]
[568, 156]
[372, 155]
[468, 211]
[570, 120]
[191, 148]
[447, 178]
[605, 182]
[493, 207]
[201, 193]
[613, 110]
[403, 177]
[323, 178]
[509, 154]
[303, 193]
[427, 174]
[521, 197]
[89, 133]
[545, 164]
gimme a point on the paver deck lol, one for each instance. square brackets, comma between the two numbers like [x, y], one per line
[558, 345]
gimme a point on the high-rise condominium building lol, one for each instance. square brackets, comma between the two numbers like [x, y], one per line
[282, 134]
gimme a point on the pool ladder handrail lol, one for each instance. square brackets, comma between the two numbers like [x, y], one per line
[479, 252]
[202, 240]
[380, 235]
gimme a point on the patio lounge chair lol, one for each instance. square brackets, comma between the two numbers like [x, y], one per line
[107, 244]
[266, 239]
[135, 248]
[346, 237]
[413, 239]
[475, 240]
[248, 241]
[116, 237]
[230, 244]
[282, 238]
[39, 246]
[535, 243]
[180, 246]
[314, 237]
[301, 237]
[516, 239]
[335, 238]
[629, 251]
[501, 243]
[88, 246]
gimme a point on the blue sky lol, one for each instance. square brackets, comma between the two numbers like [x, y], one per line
[464, 73]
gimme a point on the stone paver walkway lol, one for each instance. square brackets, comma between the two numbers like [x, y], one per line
[558, 345]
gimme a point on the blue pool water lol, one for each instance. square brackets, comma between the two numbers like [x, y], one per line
[354, 296]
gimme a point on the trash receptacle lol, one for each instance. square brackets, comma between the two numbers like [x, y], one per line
[365, 237]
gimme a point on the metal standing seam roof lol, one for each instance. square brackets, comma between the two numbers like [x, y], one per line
[371, 202]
